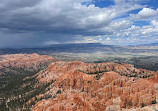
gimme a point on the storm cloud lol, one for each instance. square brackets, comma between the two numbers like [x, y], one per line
[42, 22]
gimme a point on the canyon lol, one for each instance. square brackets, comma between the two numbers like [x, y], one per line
[13, 69]
[48, 84]
[79, 86]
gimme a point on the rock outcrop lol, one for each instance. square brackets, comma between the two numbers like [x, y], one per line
[16, 87]
[79, 86]
[115, 106]
[156, 90]
[28, 62]
[76, 86]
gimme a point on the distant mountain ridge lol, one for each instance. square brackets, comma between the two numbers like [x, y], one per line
[89, 48]
[151, 44]
[66, 48]
[77, 44]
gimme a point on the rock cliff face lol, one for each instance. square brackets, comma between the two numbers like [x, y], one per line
[25, 62]
[156, 90]
[44, 83]
[79, 86]
[153, 107]
[15, 85]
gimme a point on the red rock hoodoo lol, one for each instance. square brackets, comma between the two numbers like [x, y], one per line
[79, 86]
[29, 62]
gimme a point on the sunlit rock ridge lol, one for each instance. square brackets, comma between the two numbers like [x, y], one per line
[79, 86]
[42, 83]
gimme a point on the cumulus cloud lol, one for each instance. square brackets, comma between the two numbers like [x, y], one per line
[107, 40]
[61, 21]
[145, 13]
[137, 34]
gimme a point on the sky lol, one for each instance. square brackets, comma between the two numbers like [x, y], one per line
[33, 23]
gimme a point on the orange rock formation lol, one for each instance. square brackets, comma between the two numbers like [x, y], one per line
[79, 86]
[28, 62]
